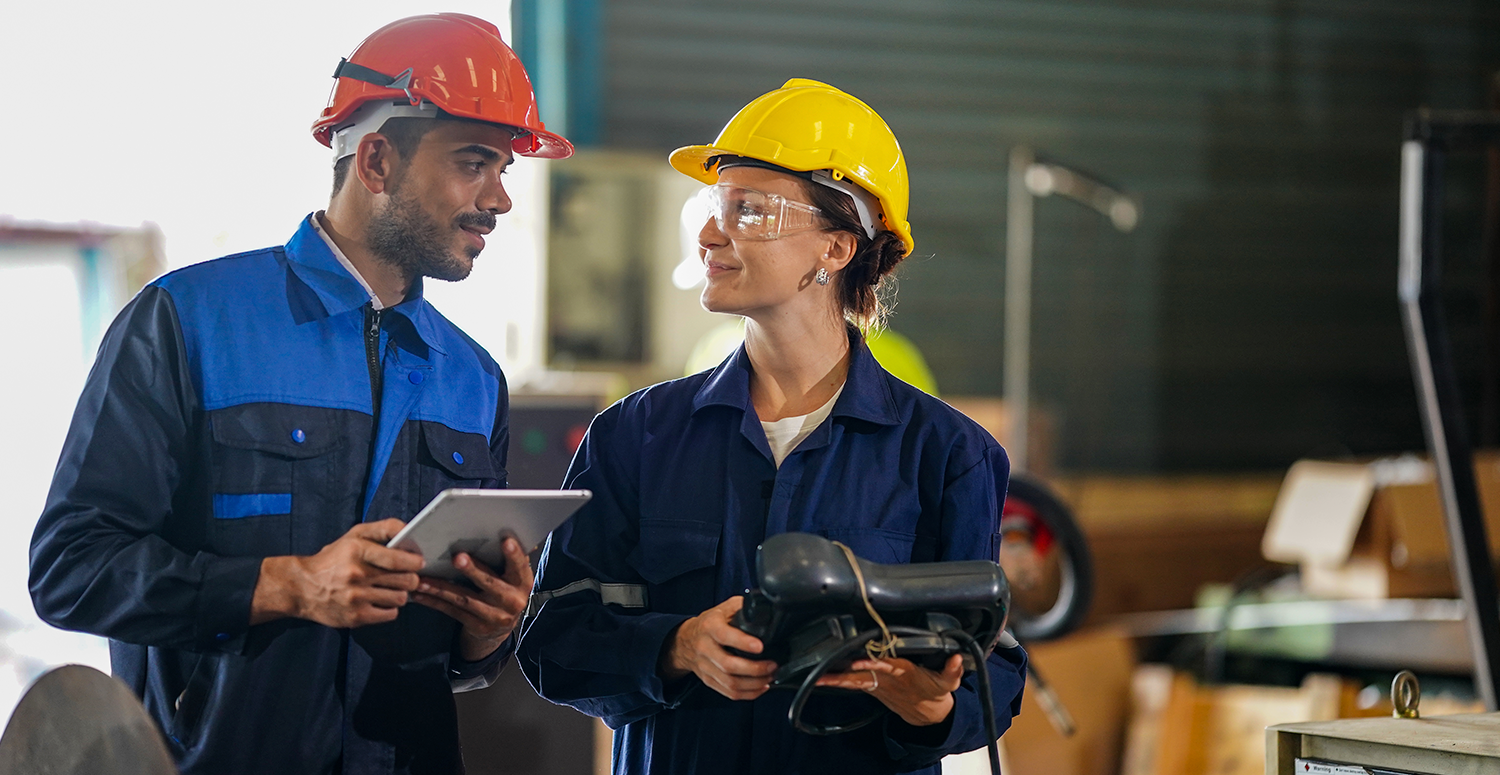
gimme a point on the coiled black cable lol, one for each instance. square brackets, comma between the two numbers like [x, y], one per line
[857, 643]
[799, 700]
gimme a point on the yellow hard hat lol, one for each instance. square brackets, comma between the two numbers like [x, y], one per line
[805, 126]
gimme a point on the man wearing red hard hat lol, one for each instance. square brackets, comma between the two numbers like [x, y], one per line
[257, 427]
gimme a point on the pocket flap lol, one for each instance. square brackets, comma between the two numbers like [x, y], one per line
[671, 547]
[281, 429]
[875, 544]
[464, 455]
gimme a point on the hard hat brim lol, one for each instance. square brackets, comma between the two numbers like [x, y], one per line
[535, 142]
[541, 144]
[695, 161]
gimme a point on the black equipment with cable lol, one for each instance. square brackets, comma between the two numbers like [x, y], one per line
[818, 608]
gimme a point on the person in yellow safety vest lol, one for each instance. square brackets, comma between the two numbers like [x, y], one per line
[894, 352]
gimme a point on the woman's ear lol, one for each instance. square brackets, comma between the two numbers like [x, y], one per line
[840, 251]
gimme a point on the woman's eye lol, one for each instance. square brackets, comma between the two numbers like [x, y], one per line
[751, 212]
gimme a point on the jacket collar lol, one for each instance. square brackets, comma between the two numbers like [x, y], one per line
[866, 395]
[317, 267]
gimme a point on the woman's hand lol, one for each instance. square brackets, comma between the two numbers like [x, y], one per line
[698, 646]
[919, 696]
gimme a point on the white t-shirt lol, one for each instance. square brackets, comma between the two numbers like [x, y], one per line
[785, 434]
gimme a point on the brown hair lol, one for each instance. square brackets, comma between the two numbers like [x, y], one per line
[861, 286]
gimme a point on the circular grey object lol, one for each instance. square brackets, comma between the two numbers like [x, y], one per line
[76, 720]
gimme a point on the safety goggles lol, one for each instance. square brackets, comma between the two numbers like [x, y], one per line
[748, 214]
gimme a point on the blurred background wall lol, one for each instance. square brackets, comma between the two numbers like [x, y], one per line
[1250, 320]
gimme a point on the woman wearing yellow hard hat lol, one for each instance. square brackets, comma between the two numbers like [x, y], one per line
[800, 430]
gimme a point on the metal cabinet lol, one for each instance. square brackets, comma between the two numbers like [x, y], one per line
[1437, 745]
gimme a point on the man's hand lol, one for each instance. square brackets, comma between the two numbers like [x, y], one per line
[490, 614]
[919, 696]
[698, 647]
[352, 582]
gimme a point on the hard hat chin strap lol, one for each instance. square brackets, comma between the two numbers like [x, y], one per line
[401, 80]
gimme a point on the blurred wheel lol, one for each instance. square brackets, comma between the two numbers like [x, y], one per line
[1046, 560]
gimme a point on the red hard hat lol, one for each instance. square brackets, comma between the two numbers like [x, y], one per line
[457, 63]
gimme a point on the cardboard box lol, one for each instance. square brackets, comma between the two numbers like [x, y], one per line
[1372, 530]
[1157, 539]
[1179, 727]
[1090, 672]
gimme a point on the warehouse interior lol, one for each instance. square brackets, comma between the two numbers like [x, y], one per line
[1221, 436]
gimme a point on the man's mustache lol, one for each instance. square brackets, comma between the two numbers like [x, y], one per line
[484, 221]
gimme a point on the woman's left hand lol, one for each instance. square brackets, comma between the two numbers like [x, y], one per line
[921, 697]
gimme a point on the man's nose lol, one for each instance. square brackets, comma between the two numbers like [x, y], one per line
[494, 199]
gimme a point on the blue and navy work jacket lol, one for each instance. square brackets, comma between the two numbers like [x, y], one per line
[253, 406]
[685, 489]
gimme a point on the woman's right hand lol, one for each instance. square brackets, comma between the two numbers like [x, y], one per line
[698, 646]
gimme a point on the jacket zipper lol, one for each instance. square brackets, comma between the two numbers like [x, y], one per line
[372, 357]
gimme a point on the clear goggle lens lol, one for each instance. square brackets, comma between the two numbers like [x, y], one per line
[745, 213]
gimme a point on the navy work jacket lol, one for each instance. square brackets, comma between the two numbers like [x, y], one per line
[685, 489]
[229, 417]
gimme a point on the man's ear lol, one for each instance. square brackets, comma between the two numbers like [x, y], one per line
[375, 162]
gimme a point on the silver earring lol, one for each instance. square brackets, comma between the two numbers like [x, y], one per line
[821, 278]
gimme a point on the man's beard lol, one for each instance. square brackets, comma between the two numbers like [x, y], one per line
[405, 236]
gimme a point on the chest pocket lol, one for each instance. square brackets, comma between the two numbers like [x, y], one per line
[670, 548]
[882, 545]
[452, 458]
[270, 461]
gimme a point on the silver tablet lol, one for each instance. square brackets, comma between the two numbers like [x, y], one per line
[477, 521]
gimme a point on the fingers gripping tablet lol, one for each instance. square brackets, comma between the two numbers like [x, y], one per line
[478, 521]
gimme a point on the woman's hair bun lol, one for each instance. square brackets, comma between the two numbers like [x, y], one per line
[859, 284]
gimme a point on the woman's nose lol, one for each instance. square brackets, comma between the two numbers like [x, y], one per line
[711, 236]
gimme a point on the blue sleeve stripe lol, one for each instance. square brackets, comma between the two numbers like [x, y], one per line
[254, 505]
